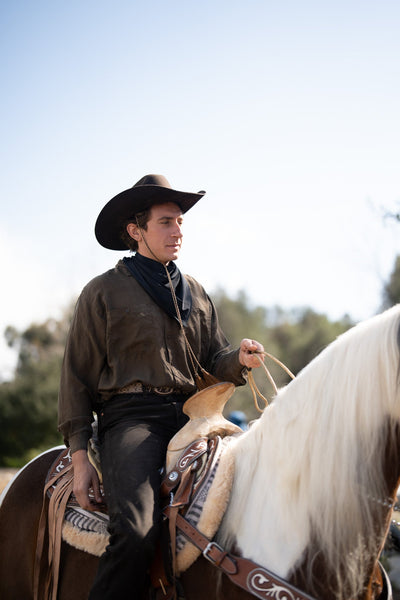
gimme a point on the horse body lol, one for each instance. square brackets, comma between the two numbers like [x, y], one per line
[314, 483]
[19, 519]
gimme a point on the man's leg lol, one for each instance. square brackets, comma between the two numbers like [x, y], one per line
[132, 452]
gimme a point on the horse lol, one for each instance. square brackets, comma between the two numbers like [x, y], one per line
[315, 482]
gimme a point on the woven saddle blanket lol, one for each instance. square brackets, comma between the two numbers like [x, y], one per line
[214, 466]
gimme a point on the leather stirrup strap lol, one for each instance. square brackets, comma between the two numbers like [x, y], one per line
[251, 577]
[48, 529]
[57, 506]
[387, 593]
[181, 499]
[172, 536]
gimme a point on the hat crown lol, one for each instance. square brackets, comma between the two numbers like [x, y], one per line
[159, 180]
[148, 191]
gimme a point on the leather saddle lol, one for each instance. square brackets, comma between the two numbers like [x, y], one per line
[192, 461]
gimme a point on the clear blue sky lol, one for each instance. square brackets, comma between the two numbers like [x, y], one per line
[285, 112]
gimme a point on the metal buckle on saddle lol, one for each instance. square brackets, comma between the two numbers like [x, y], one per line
[221, 553]
[189, 459]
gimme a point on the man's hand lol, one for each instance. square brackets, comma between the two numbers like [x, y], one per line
[250, 352]
[85, 477]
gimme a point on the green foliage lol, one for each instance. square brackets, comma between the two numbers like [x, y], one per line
[391, 290]
[237, 318]
[28, 412]
[303, 333]
[28, 403]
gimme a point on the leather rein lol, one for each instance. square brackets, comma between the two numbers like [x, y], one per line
[246, 574]
[243, 572]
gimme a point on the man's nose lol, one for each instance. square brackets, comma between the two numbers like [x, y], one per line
[177, 231]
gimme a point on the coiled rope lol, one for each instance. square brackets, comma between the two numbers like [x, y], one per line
[253, 386]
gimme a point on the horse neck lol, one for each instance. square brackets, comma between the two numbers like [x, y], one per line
[315, 474]
[357, 575]
[279, 518]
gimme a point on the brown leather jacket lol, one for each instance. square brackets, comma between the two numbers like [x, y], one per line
[119, 336]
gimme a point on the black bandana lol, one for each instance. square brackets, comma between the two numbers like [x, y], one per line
[152, 277]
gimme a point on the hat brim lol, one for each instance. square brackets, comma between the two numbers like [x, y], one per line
[128, 203]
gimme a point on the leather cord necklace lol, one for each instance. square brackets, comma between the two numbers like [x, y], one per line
[202, 378]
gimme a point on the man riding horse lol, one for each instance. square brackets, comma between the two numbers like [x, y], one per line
[143, 339]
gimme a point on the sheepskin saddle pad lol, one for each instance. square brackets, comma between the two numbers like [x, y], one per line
[198, 477]
[213, 466]
[200, 484]
[85, 530]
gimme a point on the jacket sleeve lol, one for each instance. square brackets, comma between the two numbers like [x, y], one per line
[84, 358]
[223, 361]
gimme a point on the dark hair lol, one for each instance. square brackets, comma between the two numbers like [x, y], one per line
[141, 220]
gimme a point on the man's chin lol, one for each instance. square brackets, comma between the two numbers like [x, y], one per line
[169, 258]
[174, 255]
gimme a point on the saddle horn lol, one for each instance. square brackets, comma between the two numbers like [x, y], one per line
[204, 410]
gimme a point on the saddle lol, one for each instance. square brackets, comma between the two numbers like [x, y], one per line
[194, 463]
[199, 484]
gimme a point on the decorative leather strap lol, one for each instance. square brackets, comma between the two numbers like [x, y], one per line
[189, 456]
[256, 580]
[46, 573]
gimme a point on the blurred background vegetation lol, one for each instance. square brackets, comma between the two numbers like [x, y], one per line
[28, 402]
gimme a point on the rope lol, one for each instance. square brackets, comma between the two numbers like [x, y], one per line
[253, 386]
[205, 378]
[192, 356]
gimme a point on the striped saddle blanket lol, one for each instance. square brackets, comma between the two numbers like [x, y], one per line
[213, 466]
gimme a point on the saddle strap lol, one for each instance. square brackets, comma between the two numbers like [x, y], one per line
[251, 577]
[190, 457]
[387, 593]
[180, 500]
[46, 570]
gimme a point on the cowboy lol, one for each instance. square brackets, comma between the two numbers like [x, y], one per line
[141, 336]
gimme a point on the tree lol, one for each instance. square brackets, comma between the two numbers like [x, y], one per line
[303, 333]
[28, 403]
[391, 290]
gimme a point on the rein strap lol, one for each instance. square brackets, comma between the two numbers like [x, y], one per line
[243, 572]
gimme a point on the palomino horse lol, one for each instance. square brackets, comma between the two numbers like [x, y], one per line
[315, 481]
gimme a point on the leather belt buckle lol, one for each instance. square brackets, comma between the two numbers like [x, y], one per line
[163, 391]
[209, 548]
[133, 388]
[221, 559]
[139, 388]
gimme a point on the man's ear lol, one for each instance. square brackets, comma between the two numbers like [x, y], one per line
[133, 231]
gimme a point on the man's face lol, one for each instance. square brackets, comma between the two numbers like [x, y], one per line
[163, 234]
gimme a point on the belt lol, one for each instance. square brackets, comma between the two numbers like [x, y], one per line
[139, 388]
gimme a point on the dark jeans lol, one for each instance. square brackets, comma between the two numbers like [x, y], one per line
[134, 431]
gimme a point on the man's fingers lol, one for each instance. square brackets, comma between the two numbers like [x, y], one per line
[96, 490]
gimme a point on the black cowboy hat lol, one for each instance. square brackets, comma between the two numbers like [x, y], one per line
[150, 190]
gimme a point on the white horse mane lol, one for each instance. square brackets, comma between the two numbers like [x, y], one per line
[310, 464]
